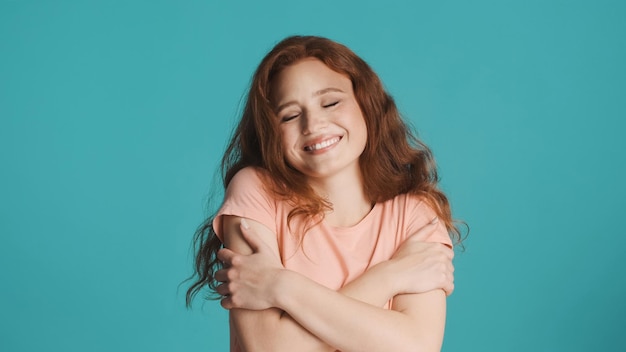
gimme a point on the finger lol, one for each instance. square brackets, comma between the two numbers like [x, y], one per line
[221, 275]
[448, 251]
[448, 283]
[252, 238]
[227, 302]
[449, 289]
[226, 256]
[222, 290]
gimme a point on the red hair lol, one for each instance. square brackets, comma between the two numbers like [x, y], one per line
[394, 161]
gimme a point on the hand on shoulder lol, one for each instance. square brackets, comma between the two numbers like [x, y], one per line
[420, 266]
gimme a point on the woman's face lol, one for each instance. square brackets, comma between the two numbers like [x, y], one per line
[322, 127]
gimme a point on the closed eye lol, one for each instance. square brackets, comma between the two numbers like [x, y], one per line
[289, 118]
[331, 104]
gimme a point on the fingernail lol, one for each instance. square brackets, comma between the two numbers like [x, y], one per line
[244, 223]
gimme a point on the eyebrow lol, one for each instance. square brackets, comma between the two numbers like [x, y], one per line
[315, 94]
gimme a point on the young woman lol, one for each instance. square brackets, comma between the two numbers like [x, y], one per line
[336, 235]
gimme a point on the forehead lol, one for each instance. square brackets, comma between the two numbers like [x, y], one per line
[305, 77]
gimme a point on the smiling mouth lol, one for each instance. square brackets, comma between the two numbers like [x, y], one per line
[321, 145]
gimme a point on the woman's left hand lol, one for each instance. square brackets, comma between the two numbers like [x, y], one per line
[249, 281]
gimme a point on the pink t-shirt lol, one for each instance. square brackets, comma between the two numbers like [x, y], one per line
[332, 256]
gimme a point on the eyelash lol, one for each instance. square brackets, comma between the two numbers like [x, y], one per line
[289, 118]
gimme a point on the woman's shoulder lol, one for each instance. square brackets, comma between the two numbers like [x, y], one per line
[248, 189]
[248, 176]
[408, 201]
[249, 181]
[413, 207]
[417, 212]
[249, 173]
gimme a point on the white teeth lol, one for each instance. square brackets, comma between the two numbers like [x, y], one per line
[321, 145]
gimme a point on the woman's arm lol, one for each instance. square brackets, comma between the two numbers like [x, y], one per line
[272, 329]
[266, 284]
[350, 325]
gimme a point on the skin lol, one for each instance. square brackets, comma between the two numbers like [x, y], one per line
[319, 106]
[274, 309]
[316, 104]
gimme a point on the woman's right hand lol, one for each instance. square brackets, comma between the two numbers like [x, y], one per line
[419, 266]
[249, 281]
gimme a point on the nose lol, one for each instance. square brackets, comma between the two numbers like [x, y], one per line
[312, 122]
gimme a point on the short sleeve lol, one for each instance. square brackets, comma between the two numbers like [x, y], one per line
[420, 214]
[246, 196]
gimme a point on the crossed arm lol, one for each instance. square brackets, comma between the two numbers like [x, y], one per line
[274, 309]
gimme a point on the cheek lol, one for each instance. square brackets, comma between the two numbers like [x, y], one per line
[363, 140]
[360, 127]
[288, 141]
[286, 137]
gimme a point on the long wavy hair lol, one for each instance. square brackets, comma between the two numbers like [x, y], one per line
[393, 162]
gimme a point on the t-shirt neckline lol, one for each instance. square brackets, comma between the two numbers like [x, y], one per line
[345, 230]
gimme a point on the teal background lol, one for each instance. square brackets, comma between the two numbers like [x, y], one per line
[114, 115]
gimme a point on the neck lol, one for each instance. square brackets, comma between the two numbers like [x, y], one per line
[345, 192]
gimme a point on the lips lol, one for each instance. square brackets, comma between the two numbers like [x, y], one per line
[322, 144]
